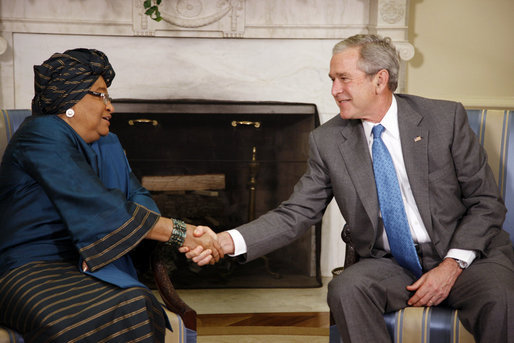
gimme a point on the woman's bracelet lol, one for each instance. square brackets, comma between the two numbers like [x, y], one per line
[178, 233]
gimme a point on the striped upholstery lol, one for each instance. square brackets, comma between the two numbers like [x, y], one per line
[179, 329]
[495, 130]
[10, 120]
[416, 324]
[9, 336]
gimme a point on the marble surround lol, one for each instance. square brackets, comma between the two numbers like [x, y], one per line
[255, 50]
[257, 300]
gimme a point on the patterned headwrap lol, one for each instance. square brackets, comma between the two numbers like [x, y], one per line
[62, 80]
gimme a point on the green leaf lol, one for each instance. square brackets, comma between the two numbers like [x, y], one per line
[153, 11]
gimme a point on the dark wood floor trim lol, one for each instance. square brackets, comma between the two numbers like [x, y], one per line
[263, 330]
[297, 323]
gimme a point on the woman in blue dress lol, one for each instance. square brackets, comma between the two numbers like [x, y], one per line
[70, 212]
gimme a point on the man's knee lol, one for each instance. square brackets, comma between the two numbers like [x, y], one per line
[379, 282]
[498, 299]
[334, 290]
[346, 287]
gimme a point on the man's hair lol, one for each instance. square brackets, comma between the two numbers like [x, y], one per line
[376, 53]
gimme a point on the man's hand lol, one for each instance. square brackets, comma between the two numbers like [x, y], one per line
[434, 286]
[201, 256]
[226, 242]
[202, 243]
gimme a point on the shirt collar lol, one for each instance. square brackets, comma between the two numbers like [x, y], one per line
[390, 122]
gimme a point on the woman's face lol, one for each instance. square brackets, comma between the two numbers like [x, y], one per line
[92, 115]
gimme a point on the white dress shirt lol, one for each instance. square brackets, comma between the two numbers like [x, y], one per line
[391, 138]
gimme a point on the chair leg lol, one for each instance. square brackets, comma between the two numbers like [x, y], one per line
[168, 293]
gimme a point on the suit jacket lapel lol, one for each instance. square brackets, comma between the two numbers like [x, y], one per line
[355, 152]
[414, 139]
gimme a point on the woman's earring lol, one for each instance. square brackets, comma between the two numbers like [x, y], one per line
[70, 112]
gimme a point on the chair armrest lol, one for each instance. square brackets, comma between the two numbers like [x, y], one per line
[351, 255]
[168, 293]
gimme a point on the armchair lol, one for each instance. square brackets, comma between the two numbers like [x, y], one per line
[439, 324]
[181, 316]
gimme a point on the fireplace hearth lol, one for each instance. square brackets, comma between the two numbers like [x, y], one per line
[222, 164]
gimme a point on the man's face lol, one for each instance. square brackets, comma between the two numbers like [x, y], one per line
[353, 90]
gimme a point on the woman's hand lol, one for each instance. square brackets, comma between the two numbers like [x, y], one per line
[204, 245]
[200, 256]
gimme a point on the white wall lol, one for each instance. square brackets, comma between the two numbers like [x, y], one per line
[464, 51]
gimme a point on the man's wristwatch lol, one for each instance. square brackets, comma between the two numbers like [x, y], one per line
[461, 263]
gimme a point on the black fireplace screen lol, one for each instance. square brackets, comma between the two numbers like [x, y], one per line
[222, 164]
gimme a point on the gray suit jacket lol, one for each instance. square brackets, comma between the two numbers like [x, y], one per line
[453, 185]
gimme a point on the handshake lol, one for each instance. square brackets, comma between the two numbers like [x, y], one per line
[204, 246]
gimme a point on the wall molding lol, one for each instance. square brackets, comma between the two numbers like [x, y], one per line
[485, 102]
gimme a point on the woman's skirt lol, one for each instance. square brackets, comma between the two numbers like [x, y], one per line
[55, 302]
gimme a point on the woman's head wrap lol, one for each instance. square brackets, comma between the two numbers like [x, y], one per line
[62, 80]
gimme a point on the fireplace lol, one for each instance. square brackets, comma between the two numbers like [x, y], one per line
[222, 164]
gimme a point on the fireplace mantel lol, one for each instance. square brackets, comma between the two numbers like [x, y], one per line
[263, 19]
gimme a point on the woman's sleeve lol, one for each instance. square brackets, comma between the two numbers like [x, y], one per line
[115, 171]
[103, 224]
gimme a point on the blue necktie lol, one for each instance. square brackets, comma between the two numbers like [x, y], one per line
[391, 206]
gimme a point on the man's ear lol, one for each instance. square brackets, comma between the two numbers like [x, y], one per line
[381, 80]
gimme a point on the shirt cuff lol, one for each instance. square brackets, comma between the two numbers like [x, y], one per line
[239, 243]
[468, 256]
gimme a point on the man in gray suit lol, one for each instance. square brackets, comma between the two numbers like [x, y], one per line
[448, 192]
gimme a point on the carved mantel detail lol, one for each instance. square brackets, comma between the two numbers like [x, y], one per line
[388, 18]
[3, 45]
[405, 50]
[392, 12]
[199, 15]
[188, 14]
